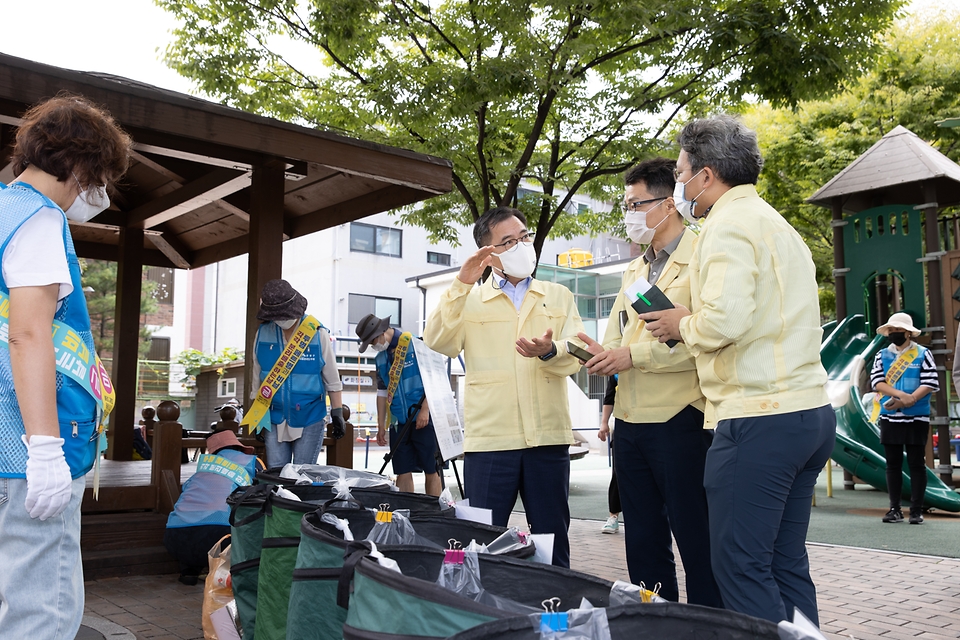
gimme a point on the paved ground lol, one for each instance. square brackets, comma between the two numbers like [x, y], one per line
[863, 593]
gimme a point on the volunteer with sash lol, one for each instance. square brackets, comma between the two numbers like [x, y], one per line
[67, 152]
[400, 388]
[295, 367]
[201, 516]
[904, 375]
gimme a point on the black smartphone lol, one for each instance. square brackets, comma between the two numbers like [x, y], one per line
[578, 352]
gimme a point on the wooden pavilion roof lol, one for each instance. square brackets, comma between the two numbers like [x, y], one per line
[188, 184]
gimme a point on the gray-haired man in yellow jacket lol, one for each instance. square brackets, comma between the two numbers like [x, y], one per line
[660, 445]
[511, 330]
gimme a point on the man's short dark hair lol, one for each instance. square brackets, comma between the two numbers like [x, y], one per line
[656, 175]
[724, 144]
[490, 219]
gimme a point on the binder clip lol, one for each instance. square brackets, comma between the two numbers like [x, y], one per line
[453, 555]
[522, 536]
[383, 515]
[647, 595]
[551, 618]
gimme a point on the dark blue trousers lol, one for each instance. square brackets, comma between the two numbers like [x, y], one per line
[759, 479]
[660, 475]
[539, 475]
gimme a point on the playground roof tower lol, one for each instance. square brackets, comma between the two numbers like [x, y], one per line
[893, 171]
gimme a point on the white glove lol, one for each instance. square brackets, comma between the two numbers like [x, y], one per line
[48, 477]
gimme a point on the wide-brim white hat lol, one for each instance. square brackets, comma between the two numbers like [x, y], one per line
[901, 321]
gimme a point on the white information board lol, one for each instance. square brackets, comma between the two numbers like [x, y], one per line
[443, 405]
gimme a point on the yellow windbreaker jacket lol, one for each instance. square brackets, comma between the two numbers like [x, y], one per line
[511, 402]
[755, 328]
[661, 383]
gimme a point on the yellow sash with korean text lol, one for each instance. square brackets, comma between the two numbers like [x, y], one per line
[399, 356]
[897, 369]
[258, 415]
[75, 361]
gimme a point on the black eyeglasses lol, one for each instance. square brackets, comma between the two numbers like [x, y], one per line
[635, 205]
[512, 244]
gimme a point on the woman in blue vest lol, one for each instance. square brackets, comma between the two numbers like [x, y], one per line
[299, 406]
[67, 153]
[202, 516]
[903, 376]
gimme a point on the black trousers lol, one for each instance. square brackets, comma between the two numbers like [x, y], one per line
[918, 473]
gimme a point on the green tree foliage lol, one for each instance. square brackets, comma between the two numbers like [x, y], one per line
[915, 82]
[564, 94]
[101, 276]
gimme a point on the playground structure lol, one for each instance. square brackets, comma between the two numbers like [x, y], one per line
[885, 208]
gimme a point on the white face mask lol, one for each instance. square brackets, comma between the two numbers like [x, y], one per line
[379, 346]
[520, 262]
[687, 208]
[636, 223]
[88, 204]
[286, 324]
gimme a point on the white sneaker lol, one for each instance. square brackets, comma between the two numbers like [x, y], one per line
[612, 525]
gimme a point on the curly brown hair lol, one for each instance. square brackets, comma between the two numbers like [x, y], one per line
[69, 134]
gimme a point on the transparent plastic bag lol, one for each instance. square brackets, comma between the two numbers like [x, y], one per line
[585, 623]
[460, 573]
[319, 474]
[395, 528]
[341, 524]
[626, 593]
[510, 540]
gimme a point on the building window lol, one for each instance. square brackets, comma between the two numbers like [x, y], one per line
[606, 306]
[361, 305]
[227, 388]
[372, 239]
[438, 258]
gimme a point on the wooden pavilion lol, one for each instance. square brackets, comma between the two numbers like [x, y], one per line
[207, 183]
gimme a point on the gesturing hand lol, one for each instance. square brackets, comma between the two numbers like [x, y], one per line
[537, 346]
[472, 268]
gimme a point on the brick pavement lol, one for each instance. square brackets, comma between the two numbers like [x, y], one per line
[862, 592]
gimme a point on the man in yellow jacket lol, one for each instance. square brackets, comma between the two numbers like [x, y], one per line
[511, 330]
[755, 332]
[660, 445]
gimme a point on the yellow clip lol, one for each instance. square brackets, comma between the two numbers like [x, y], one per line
[383, 515]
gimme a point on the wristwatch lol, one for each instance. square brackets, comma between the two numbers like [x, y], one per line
[547, 356]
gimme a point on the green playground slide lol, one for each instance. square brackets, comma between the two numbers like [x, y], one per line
[844, 353]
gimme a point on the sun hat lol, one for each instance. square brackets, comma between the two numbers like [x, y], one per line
[280, 301]
[901, 321]
[225, 438]
[370, 328]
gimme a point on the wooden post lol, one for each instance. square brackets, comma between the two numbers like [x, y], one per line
[266, 251]
[126, 343]
[839, 261]
[167, 445]
[937, 329]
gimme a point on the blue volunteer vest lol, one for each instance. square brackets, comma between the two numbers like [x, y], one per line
[204, 497]
[909, 382]
[76, 408]
[301, 401]
[410, 389]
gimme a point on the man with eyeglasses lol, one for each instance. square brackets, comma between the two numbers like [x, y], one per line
[511, 330]
[661, 444]
[755, 332]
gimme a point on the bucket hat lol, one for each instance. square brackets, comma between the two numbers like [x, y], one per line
[280, 301]
[370, 328]
[901, 321]
[225, 438]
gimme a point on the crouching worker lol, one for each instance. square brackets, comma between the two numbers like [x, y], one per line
[201, 516]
